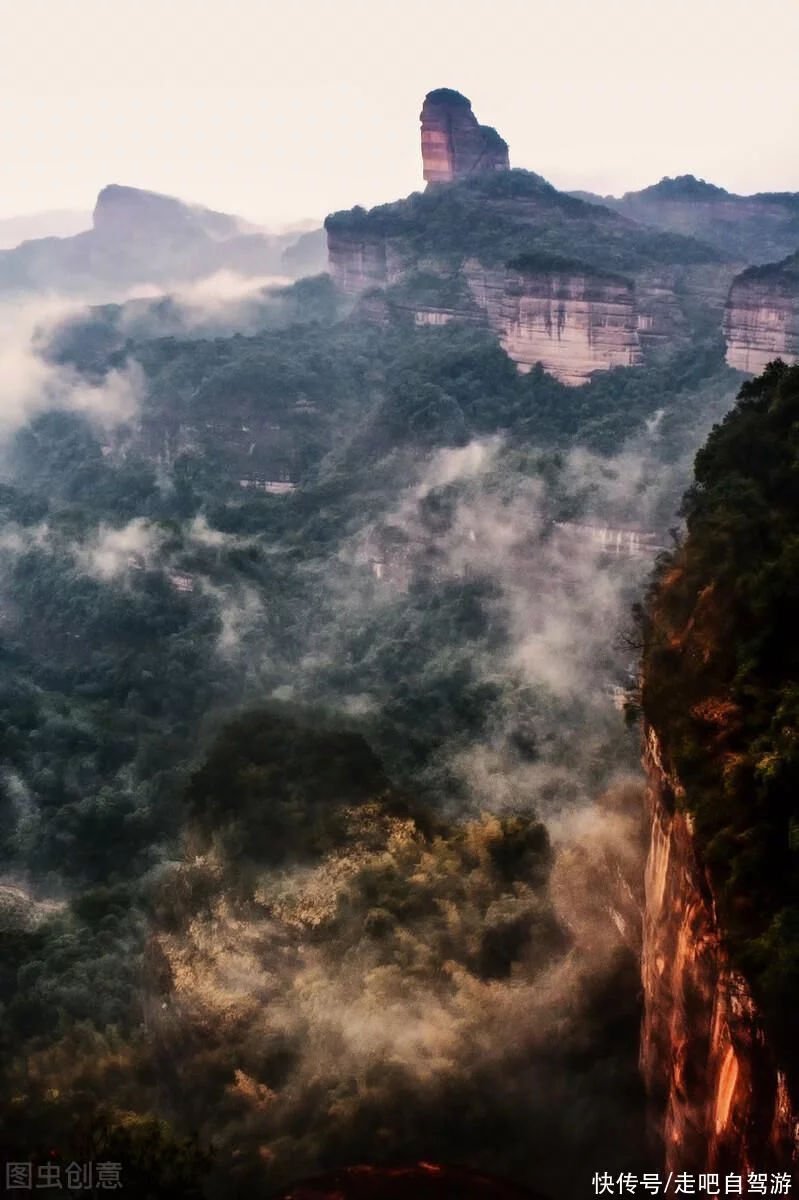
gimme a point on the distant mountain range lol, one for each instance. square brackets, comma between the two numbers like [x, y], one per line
[55, 223]
[755, 229]
[139, 237]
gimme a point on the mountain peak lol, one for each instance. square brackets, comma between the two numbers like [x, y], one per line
[448, 96]
[682, 187]
[454, 145]
[121, 209]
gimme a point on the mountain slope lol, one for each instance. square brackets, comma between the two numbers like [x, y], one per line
[139, 237]
[754, 229]
[720, 700]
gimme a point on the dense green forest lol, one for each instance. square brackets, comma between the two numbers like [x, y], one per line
[270, 758]
[498, 216]
[719, 682]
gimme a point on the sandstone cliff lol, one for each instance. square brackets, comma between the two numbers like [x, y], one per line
[573, 317]
[454, 145]
[718, 1100]
[562, 282]
[761, 319]
[572, 321]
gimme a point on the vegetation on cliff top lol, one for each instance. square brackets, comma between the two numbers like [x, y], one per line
[772, 272]
[501, 215]
[721, 664]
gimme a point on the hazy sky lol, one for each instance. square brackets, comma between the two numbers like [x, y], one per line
[282, 109]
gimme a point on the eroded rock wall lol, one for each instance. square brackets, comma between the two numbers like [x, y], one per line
[761, 319]
[718, 1099]
[358, 263]
[573, 324]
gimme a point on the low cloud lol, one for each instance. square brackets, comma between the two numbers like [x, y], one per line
[113, 552]
[30, 384]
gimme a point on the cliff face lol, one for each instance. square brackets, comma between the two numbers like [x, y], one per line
[359, 261]
[572, 323]
[718, 1099]
[454, 145]
[572, 319]
[761, 319]
[594, 290]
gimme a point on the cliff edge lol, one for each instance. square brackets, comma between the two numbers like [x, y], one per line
[718, 691]
[719, 1100]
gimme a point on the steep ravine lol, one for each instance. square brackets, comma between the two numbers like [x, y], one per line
[718, 1099]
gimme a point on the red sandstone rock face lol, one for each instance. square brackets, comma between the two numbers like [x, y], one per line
[718, 1098]
[453, 144]
[573, 324]
[761, 320]
[358, 263]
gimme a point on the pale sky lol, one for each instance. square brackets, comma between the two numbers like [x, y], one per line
[286, 109]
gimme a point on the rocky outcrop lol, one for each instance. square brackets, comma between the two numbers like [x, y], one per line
[761, 319]
[564, 283]
[572, 322]
[718, 1099]
[454, 145]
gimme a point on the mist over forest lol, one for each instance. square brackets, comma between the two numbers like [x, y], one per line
[399, 570]
[321, 818]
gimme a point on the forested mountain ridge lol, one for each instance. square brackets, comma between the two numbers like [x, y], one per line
[759, 228]
[718, 695]
[558, 280]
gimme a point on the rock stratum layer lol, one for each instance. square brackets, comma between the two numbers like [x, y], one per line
[719, 1101]
[761, 319]
[572, 318]
[572, 323]
[454, 145]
